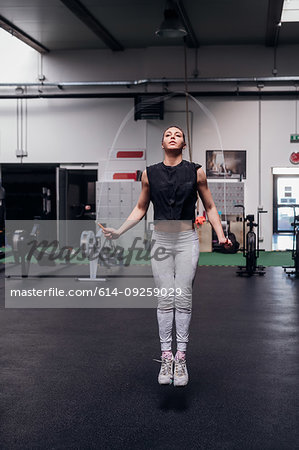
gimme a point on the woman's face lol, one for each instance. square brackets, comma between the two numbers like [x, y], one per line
[173, 139]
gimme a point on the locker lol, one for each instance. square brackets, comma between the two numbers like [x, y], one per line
[126, 188]
[113, 200]
[103, 212]
[126, 200]
[125, 211]
[113, 212]
[102, 187]
[113, 188]
[116, 199]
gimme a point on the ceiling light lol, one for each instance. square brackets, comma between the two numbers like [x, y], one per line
[171, 27]
[290, 11]
[20, 34]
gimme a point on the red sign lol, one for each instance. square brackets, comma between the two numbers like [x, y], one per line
[129, 154]
[294, 158]
[124, 176]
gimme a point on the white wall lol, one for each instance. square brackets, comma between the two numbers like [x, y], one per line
[83, 130]
[70, 130]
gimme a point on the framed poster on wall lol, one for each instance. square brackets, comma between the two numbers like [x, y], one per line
[226, 164]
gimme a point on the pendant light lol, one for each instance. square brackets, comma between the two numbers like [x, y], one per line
[171, 27]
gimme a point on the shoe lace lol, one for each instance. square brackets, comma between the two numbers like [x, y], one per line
[166, 365]
[180, 367]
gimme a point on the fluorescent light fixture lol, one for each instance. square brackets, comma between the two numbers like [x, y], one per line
[290, 11]
[20, 34]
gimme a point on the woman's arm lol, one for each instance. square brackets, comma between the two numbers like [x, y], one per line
[209, 205]
[136, 215]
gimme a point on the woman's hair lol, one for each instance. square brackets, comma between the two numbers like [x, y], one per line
[173, 126]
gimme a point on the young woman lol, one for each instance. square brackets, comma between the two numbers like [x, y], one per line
[172, 186]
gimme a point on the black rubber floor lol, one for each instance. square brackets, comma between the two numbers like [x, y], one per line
[85, 379]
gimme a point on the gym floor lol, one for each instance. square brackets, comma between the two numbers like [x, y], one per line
[85, 378]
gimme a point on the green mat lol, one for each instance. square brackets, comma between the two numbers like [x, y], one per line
[266, 259]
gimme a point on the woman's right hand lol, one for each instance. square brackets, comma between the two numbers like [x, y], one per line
[110, 233]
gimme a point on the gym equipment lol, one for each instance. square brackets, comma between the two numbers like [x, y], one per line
[27, 244]
[294, 270]
[251, 247]
[23, 253]
[90, 245]
[22, 238]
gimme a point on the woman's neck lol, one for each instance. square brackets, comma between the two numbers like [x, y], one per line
[172, 160]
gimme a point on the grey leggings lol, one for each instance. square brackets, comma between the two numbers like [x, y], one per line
[174, 273]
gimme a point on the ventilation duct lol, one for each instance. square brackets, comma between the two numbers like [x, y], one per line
[148, 107]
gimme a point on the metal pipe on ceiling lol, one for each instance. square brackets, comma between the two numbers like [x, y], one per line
[70, 84]
[71, 95]
[75, 89]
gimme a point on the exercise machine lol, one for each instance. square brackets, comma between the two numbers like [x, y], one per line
[251, 249]
[24, 242]
[24, 247]
[294, 270]
[90, 245]
[93, 247]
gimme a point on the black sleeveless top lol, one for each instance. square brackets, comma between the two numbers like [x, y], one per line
[173, 190]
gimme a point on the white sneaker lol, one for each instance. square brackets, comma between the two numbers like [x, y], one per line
[166, 371]
[180, 373]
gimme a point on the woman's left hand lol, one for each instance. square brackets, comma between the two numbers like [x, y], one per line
[227, 243]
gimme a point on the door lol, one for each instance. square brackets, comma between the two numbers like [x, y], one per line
[75, 201]
[285, 199]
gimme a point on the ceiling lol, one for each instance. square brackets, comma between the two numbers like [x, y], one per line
[122, 24]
